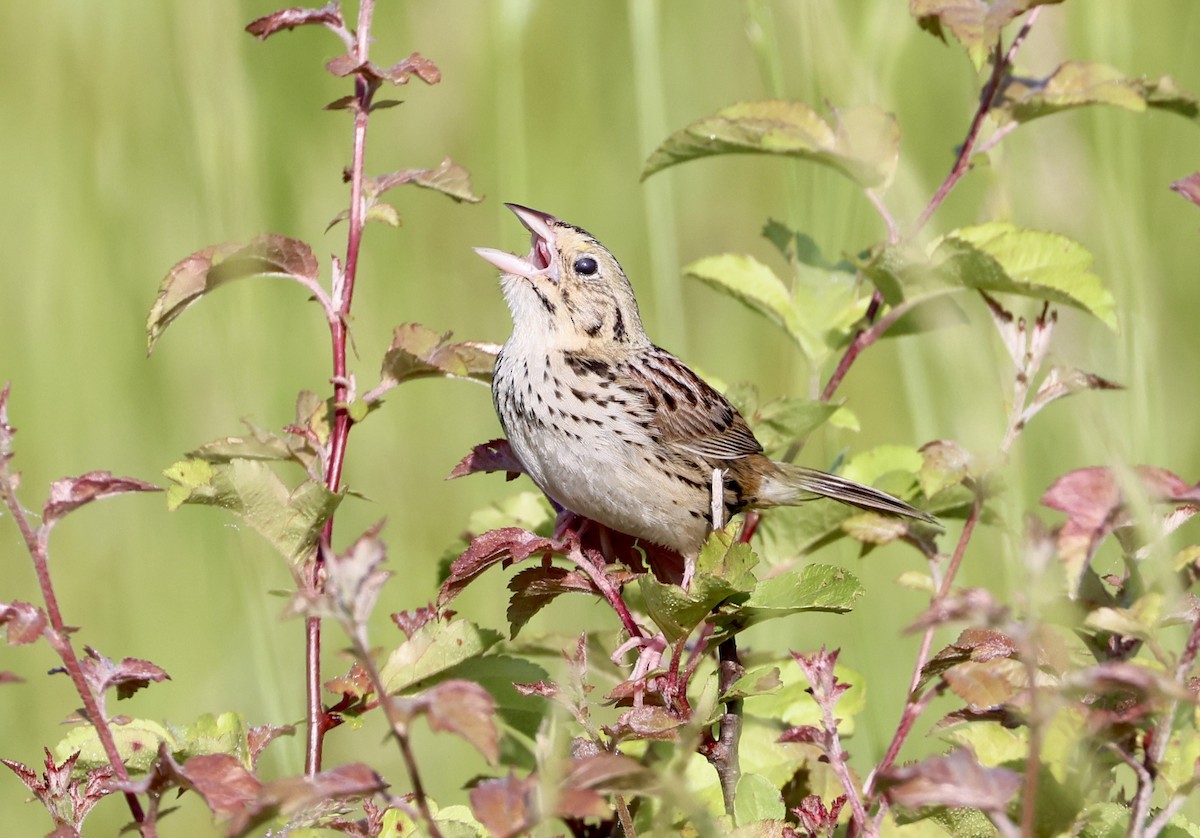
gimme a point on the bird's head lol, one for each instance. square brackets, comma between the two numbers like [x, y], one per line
[569, 292]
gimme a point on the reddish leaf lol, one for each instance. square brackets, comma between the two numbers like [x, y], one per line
[6, 430]
[819, 669]
[70, 493]
[807, 734]
[506, 807]
[419, 352]
[607, 772]
[1094, 504]
[206, 270]
[447, 177]
[23, 621]
[646, 722]
[487, 457]
[986, 685]
[399, 73]
[971, 605]
[260, 736]
[128, 676]
[7, 677]
[509, 544]
[535, 587]
[356, 683]
[415, 65]
[1189, 188]
[542, 689]
[467, 709]
[815, 818]
[228, 789]
[973, 644]
[354, 579]
[409, 621]
[67, 800]
[956, 780]
[286, 19]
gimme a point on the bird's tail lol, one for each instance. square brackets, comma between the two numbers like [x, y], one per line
[791, 484]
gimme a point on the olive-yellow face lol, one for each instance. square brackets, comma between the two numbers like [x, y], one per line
[570, 289]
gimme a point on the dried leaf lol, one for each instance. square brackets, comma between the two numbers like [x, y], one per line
[466, 709]
[506, 807]
[264, 27]
[487, 457]
[399, 73]
[956, 780]
[23, 622]
[68, 798]
[70, 493]
[208, 269]
[419, 352]
[128, 676]
[1188, 188]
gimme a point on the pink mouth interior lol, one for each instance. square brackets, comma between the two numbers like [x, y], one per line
[540, 255]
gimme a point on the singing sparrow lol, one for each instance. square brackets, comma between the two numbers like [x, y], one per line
[614, 428]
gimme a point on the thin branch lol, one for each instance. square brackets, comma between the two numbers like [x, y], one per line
[343, 294]
[60, 639]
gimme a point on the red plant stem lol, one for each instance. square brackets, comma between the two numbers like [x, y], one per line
[916, 701]
[317, 723]
[864, 338]
[60, 639]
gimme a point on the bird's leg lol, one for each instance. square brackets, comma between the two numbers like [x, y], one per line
[717, 512]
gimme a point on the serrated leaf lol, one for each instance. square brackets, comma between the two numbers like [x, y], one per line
[1076, 84]
[207, 270]
[781, 422]
[290, 519]
[757, 799]
[811, 588]
[433, 649]
[466, 709]
[1000, 257]
[761, 680]
[676, 611]
[23, 622]
[861, 143]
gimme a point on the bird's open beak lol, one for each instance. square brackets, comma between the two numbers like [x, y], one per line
[539, 262]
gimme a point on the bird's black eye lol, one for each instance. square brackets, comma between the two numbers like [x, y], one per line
[586, 266]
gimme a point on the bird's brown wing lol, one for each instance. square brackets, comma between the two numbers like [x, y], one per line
[684, 411]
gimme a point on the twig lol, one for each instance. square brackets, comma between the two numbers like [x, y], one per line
[343, 294]
[1159, 738]
[916, 703]
[60, 639]
[866, 337]
[723, 754]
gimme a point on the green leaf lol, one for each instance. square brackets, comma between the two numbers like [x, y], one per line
[793, 704]
[290, 519]
[976, 24]
[747, 280]
[781, 422]
[449, 178]
[722, 571]
[432, 650]
[756, 799]
[811, 588]
[870, 465]
[209, 734]
[207, 270]
[861, 143]
[496, 673]
[1000, 257]
[137, 742]
[1076, 84]
[761, 680]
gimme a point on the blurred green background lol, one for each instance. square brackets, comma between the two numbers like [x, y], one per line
[132, 134]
